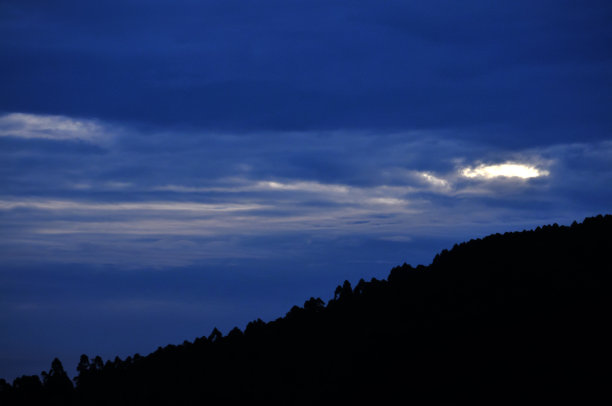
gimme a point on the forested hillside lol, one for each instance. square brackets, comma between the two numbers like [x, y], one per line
[518, 317]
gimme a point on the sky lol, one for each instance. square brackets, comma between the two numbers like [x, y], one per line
[167, 167]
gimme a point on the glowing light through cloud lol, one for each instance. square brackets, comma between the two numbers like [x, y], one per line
[505, 170]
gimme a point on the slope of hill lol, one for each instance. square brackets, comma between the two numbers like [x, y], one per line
[518, 317]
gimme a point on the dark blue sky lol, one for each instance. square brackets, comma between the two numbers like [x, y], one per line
[167, 167]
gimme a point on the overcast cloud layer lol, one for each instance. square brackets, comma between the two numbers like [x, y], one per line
[168, 167]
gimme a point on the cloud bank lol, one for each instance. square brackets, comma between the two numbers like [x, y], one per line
[166, 198]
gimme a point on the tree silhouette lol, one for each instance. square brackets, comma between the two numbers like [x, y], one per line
[314, 305]
[215, 335]
[57, 384]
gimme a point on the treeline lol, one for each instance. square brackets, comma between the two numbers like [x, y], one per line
[519, 317]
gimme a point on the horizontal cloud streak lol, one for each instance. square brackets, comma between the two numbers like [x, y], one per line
[58, 128]
[123, 206]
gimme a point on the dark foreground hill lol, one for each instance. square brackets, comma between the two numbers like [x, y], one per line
[513, 318]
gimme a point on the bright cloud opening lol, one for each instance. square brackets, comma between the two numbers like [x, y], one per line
[507, 170]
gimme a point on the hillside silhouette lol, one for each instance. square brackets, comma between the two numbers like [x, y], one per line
[518, 317]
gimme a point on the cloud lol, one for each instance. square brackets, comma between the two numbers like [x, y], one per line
[126, 206]
[165, 198]
[244, 185]
[315, 187]
[57, 128]
[437, 183]
[504, 170]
